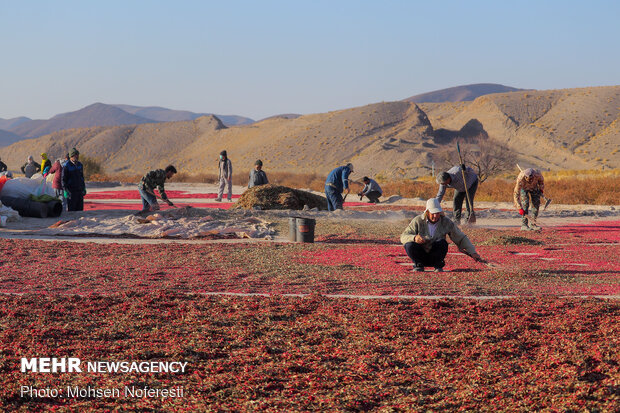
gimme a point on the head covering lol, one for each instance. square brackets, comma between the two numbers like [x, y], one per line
[433, 206]
[30, 158]
[73, 152]
[443, 177]
[350, 166]
[43, 155]
[223, 153]
[365, 179]
[528, 172]
[9, 174]
[258, 162]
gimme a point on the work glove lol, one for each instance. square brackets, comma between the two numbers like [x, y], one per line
[169, 202]
[463, 167]
[521, 211]
[84, 192]
[67, 194]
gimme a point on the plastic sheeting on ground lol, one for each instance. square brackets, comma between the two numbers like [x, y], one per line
[24, 187]
[181, 223]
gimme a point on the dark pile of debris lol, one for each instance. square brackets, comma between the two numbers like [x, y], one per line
[279, 197]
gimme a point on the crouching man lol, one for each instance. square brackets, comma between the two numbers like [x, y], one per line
[425, 238]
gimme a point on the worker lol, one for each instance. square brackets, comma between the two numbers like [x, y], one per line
[453, 178]
[530, 185]
[46, 164]
[73, 182]
[148, 183]
[224, 176]
[425, 238]
[371, 190]
[30, 167]
[3, 167]
[257, 175]
[337, 182]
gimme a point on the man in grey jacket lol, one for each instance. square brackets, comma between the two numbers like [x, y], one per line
[425, 238]
[257, 175]
[225, 177]
[371, 190]
[453, 178]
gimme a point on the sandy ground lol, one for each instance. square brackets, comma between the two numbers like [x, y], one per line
[108, 222]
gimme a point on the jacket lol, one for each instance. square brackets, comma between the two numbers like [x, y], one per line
[30, 168]
[339, 178]
[445, 226]
[257, 178]
[225, 169]
[456, 180]
[372, 186]
[536, 183]
[56, 169]
[73, 177]
[155, 179]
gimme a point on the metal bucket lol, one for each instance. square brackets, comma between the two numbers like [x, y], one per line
[305, 229]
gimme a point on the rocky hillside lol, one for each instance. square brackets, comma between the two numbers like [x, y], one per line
[461, 93]
[557, 129]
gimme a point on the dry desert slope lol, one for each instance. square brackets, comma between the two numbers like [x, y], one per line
[556, 129]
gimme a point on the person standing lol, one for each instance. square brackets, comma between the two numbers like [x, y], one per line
[425, 238]
[257, 175]
[371, 190]
[148, 183]
[46, 164]
[453, 178]
[225, 177]
[73, 182]
[56, 169]
[337, 181]
[30, 167]
[530, 185]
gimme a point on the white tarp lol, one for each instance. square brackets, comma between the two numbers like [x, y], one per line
[24, 187]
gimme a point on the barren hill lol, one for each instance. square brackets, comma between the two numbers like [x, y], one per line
[7, 138]
[461, 93]
[160, 114]
[556, 129]
[566, 128]
[97, 114]
[8, 124]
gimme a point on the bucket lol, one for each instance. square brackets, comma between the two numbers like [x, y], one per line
[292, 229]
[305, 229]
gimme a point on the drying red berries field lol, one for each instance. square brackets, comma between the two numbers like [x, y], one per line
[546, 337]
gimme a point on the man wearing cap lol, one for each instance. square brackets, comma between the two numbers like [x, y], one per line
[453, 178]
[30, 167]
[257, 175]
[225, 177]
[371, 190]
[425, 238]
[530, 184]
[337, 182]
[148, 183]
[73, 182]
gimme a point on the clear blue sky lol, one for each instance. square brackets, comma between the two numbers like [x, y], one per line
[260, 58]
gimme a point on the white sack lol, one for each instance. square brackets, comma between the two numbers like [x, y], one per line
[23, 187]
